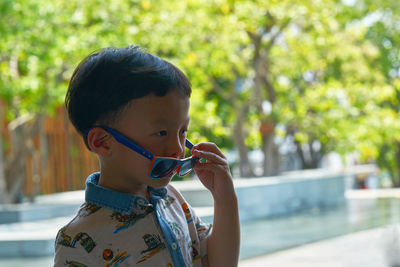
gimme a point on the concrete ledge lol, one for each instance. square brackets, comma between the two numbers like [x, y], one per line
[25, 239]
[286, 195]
[278, 195]
[195, 193]
[26, 248]
[35, 212]
[44, 207]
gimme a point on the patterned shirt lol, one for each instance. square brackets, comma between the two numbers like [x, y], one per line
[118, 229]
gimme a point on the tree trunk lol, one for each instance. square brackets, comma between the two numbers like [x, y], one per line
[245, 167]
[309, 159]
[41, 164]
[315, 155]
[263, 83]
[396, 178]
[271, 160]
[3, 185]
[239, 136]
[22, 131]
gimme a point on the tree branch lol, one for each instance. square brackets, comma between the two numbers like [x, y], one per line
[273, 38]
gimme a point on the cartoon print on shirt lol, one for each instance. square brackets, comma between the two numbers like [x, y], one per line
[188, 214]
[88, 209]
[193, 251]
[203, 229]
[128, 220]
[108, 255]
[168, 200]
[84, 239]
[75, 264]
[154, 245]
[177, 230]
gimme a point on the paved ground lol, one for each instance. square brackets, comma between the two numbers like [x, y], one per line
[364, 249]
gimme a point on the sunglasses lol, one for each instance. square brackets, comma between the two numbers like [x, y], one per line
[161, 167]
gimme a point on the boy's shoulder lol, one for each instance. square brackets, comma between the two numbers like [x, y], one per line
[86, 218]
[172, 191]
[79, 231]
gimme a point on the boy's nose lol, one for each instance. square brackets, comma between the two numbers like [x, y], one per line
[176, 148]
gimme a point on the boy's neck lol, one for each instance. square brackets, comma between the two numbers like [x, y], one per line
[127, 188]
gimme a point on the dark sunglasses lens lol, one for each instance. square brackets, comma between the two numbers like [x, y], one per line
[187, 166]
[163, 168]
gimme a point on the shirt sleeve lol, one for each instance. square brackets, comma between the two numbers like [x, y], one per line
[203, 231]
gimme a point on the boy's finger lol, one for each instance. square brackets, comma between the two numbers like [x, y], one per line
[209, 147]
[209, 166]
[213, 157]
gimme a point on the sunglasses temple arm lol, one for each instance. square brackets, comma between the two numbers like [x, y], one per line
[125, 141]
[189, 144]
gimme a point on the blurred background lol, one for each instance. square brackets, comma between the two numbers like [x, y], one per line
[281, 86]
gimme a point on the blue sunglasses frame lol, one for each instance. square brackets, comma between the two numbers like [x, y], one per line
[161, 166]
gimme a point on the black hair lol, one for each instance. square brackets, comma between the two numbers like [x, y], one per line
[107, 80]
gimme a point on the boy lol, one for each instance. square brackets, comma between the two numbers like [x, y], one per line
[132, 109]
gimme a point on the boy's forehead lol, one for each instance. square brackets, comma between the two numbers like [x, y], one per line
[155, 110]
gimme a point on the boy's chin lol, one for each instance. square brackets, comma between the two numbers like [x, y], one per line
[161, 182]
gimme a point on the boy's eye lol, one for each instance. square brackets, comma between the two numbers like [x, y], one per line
[162, 133]
[184, 131]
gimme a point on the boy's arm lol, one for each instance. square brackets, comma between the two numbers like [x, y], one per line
[224, 242]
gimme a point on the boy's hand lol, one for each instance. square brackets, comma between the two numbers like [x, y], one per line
[214, 173]
[224, 242]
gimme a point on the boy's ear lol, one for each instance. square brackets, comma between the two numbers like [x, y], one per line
[99, 141]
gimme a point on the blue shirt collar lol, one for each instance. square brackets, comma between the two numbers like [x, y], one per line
[122, 202]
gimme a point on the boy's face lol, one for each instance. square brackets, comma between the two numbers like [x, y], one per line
[157, 124]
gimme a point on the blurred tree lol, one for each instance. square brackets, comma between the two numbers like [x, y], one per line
[328, 81]
[305, 66]
[31, 72]
[382, 23]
